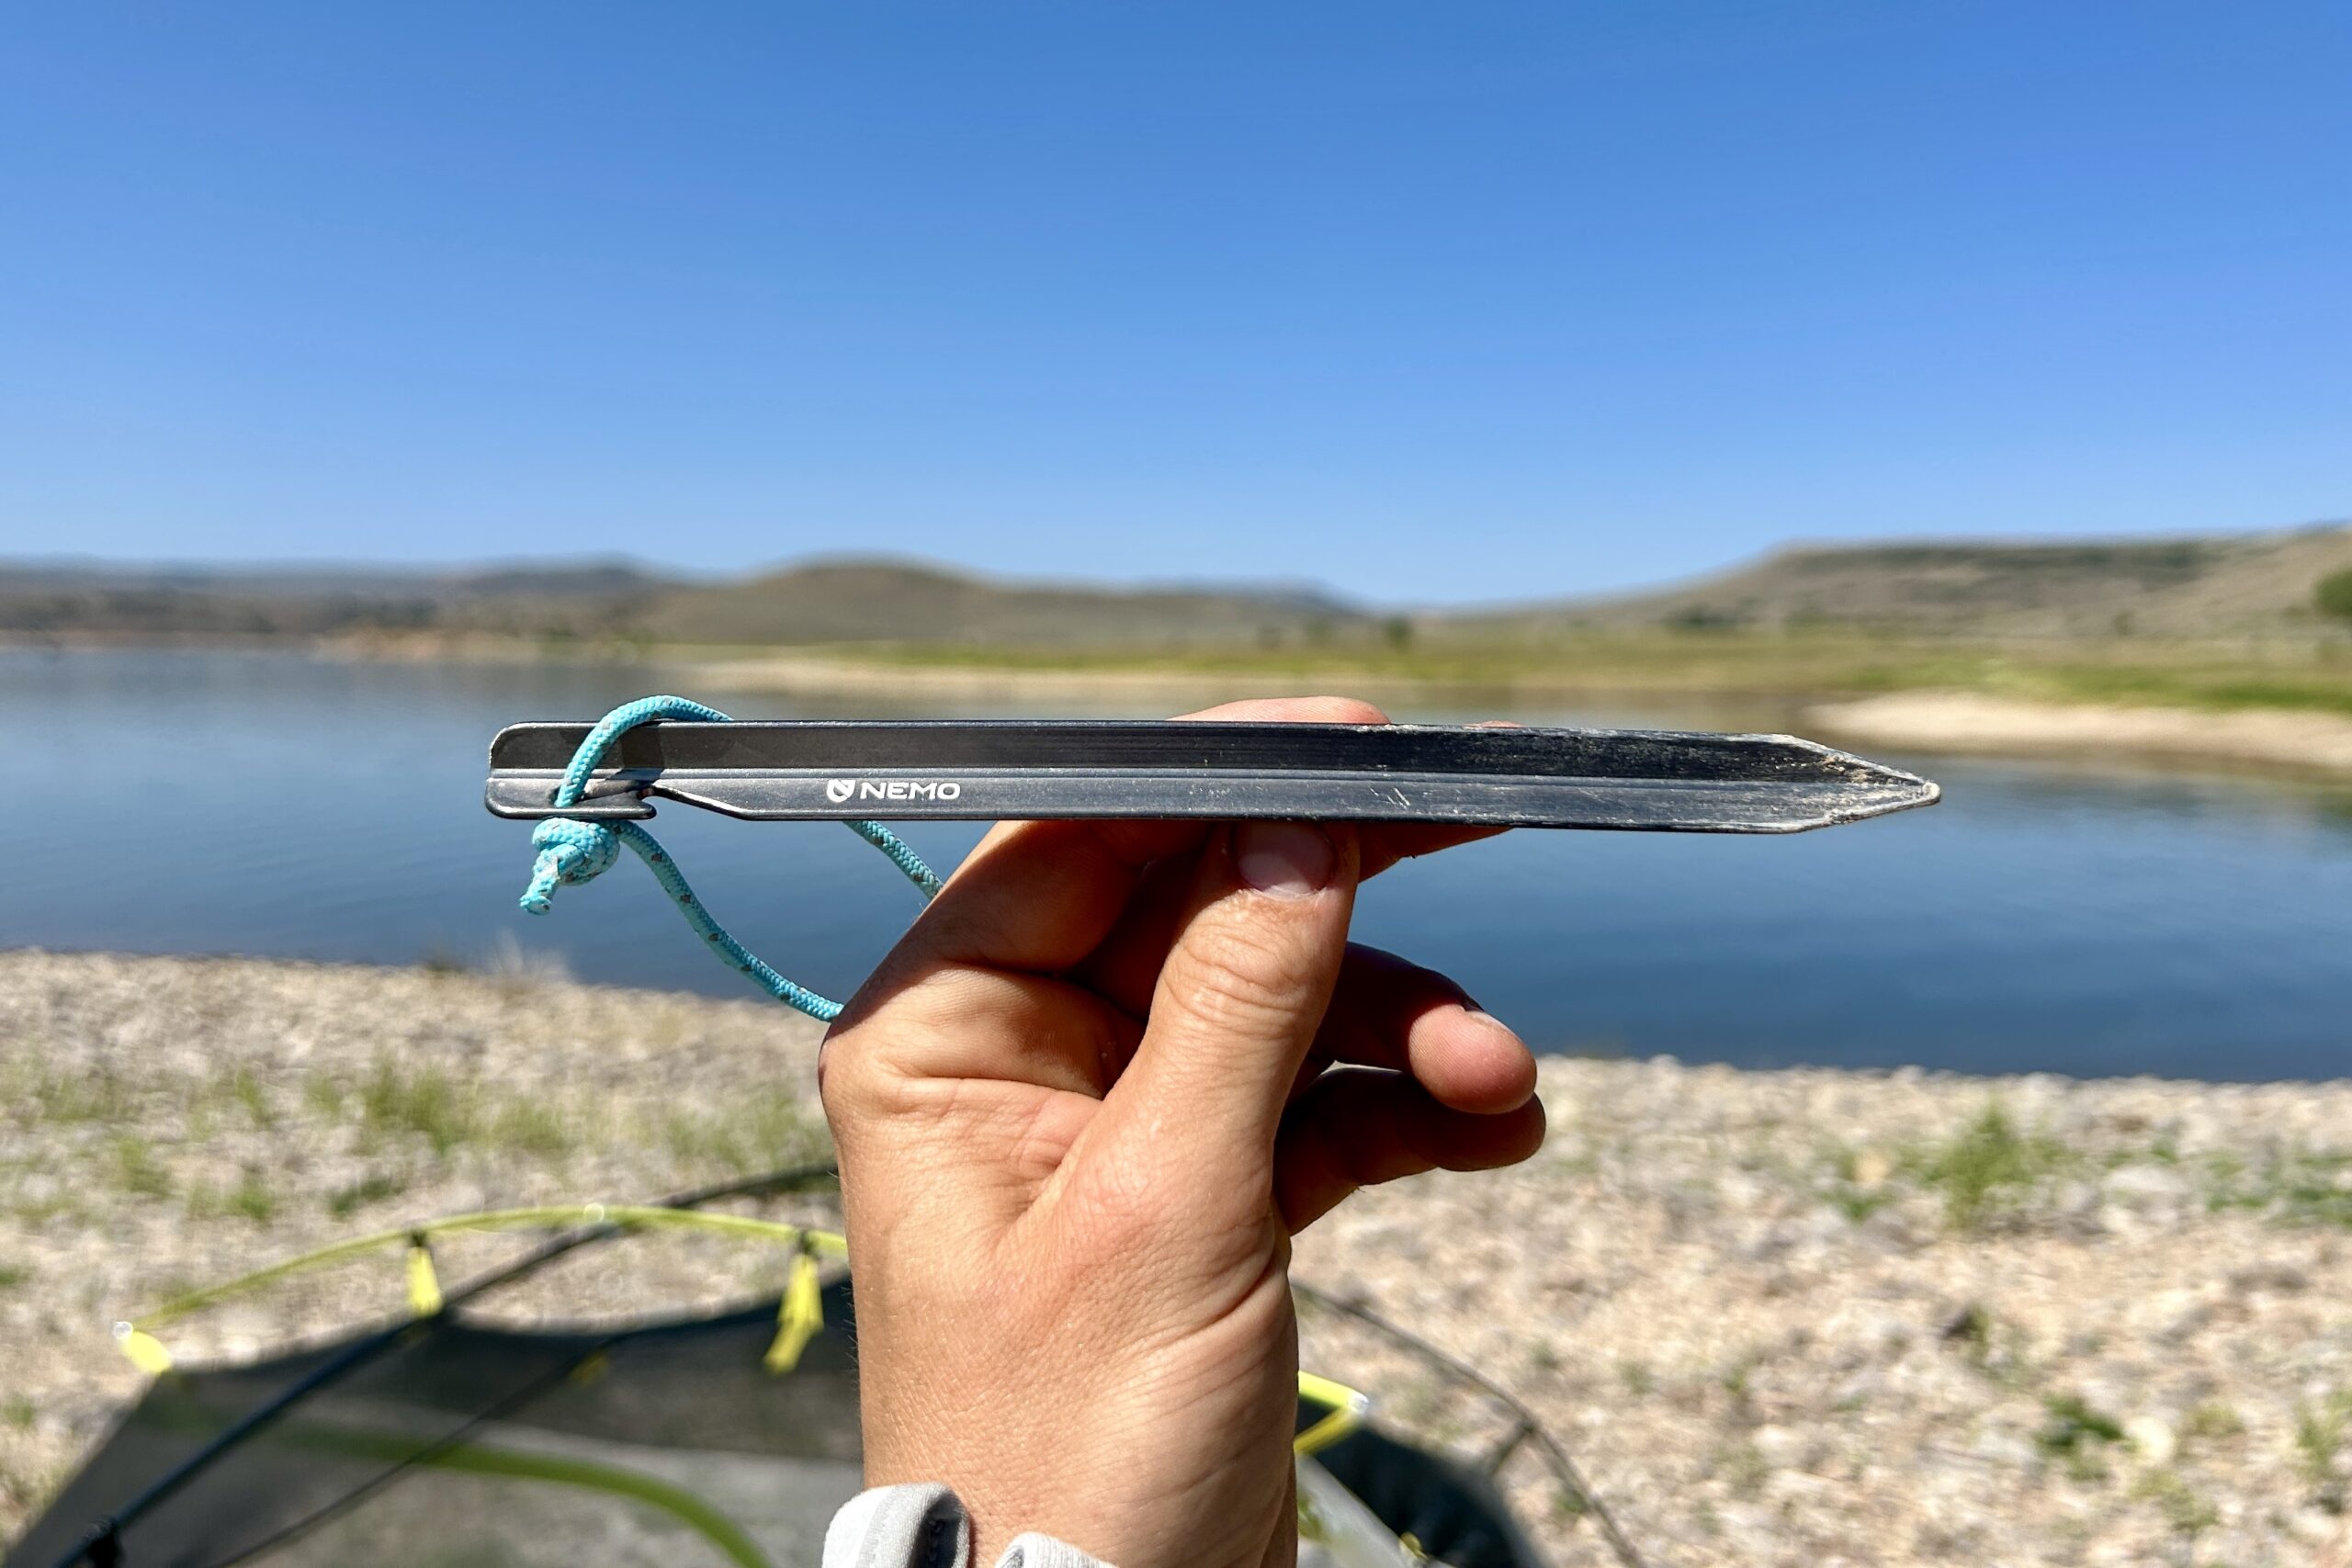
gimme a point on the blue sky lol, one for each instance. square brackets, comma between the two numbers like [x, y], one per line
[1427, 302]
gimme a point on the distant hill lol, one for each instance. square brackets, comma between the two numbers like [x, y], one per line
[2219, 585]
[890, 601]
[2184, 586]
[522, 599]
[827, 602]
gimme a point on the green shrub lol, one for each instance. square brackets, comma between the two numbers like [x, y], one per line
[137, 1170]
[427, 1102]
[2334, 595]
[1986, 1168]
[2070, 1424]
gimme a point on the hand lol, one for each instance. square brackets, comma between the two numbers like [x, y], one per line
[1081, 1109]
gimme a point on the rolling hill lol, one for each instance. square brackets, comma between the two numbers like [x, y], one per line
[851, 601]
[2217, 585]
[2222, 585]
[525, 600]
[817, 602]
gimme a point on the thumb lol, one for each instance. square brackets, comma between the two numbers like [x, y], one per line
[1240, 995]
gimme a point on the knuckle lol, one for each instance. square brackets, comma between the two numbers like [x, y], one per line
[1231, 983]
[856, 1084]
[843, 1083]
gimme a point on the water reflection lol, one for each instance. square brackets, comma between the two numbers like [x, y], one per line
[2048, 916]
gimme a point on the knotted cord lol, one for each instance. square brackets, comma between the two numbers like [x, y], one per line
[571, 851]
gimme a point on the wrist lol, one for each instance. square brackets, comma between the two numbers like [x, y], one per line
[924, 1525]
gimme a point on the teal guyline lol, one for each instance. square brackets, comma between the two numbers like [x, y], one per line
[573, 851]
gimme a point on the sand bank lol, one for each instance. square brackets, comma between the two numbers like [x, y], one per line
[1965, 721]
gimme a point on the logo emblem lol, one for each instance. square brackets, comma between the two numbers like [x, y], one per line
[839, 789]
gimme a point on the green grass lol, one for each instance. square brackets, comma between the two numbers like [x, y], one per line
[1986, 1170]
[1841, 1183]
[2302, 1188]
[1743, 1469]
[323, 1096]
[12, 1275]
[250, 1199]
[2185, 1510]
[2068, 1424]
[1738, 1376]
[531, 1127]
[755, 1133]
[245, 1088]
[1798, 662]
[2076, 1436]
[2334, 595]
[2319, 1437]
[375, 1187]
[2215, 1420]
[397, 1101]
[136, 1170]
[96, 1097]
[2214, 689]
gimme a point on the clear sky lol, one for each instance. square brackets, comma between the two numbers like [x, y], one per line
[1426, 301]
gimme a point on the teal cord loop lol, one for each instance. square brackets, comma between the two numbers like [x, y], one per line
[573, 852]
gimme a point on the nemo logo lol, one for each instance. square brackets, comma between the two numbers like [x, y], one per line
[839, 789]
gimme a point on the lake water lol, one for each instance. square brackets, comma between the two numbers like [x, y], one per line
[2045, 917]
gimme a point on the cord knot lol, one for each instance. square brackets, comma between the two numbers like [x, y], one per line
[571, 853]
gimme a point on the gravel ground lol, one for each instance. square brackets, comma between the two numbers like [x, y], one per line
[1803, 1317]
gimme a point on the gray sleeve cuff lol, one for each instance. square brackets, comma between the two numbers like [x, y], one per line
[915, 1526]
[919, 1525]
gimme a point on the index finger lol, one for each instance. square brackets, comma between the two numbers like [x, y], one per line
[1042, 896]
[1383, 843]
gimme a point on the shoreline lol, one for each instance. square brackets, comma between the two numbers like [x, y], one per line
[1934, 720]
[1783, 1316]
[1972, 722]
[823, 677]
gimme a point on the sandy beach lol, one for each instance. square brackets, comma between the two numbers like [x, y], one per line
[1969, 721]
[1799, 1317]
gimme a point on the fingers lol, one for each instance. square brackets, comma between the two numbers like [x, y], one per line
[1125, 964]
[1356, 1128]
[1386, 1013]
[1289, 710]
[1239, 999]
[1385, 843]
[966, 1022]
[1041, 896]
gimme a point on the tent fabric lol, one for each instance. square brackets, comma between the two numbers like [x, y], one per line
[663, 1443]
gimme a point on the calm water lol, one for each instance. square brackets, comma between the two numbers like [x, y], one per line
[2043, 918]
